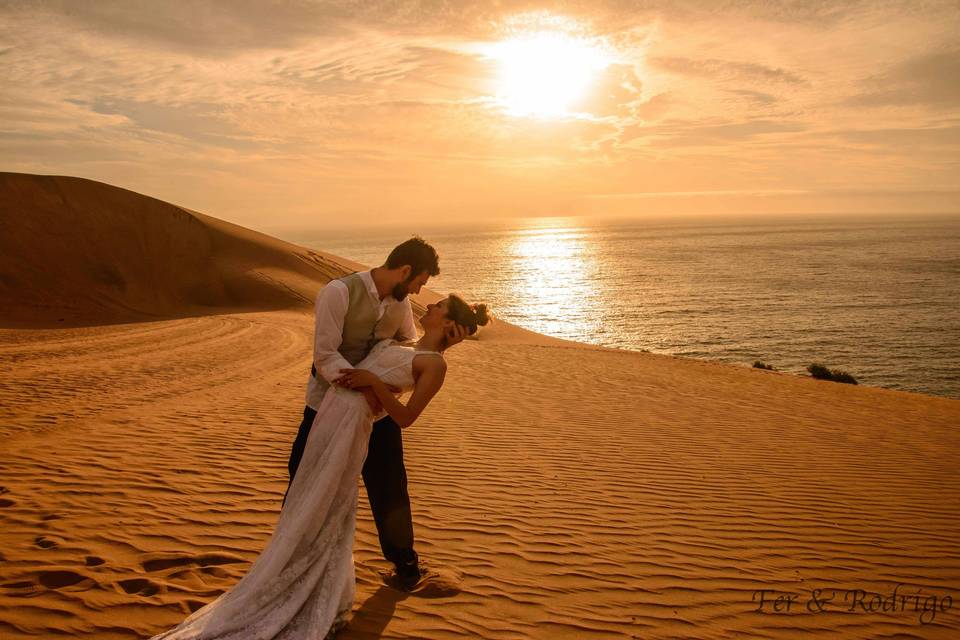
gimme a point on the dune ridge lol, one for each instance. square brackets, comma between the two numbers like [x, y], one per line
[78, 252]
[582, 492]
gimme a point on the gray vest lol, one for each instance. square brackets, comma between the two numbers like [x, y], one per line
[359, 325]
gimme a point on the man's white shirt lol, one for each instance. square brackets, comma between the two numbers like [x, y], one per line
[394, 320]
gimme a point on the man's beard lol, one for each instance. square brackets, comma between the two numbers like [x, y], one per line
[400, 290]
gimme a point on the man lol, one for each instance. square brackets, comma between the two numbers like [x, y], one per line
[352, 314]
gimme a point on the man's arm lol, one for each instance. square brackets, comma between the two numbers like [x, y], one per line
[428, 383]
[330, 311]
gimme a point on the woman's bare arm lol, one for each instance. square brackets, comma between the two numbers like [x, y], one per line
[428, 382]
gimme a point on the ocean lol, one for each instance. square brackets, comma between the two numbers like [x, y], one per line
[876, 297]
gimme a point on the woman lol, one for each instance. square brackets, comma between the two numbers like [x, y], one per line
[302, 585]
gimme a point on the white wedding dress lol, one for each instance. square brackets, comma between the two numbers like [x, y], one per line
[302, 585]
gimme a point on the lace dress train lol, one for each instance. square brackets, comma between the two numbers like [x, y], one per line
[302, 585]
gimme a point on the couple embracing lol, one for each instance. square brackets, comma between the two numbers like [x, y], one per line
[366, 351]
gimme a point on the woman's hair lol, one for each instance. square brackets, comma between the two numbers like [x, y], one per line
[469, 316]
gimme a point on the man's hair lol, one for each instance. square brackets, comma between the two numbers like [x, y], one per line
[416, 253]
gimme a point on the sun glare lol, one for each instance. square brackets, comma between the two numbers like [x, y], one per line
[544, 74]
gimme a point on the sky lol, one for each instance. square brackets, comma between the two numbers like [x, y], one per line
[300, 114]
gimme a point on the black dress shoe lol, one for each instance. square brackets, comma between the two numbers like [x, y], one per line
[408, 577]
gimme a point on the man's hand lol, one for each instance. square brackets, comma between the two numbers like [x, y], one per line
[372, 400]
[456, 334]
[356, 378]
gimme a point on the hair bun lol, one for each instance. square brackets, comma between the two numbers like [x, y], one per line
[470, 316]
[480, 311]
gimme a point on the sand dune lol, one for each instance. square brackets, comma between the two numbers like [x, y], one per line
[582, 492]
[79, 252]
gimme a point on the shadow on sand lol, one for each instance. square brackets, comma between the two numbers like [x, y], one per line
[374, 615]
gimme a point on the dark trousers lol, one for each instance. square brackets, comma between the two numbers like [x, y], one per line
[385, 478]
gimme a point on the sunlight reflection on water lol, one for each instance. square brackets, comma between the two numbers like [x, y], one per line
[553, 269]
[875, 297]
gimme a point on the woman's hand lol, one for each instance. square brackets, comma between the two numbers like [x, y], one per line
[357, 378]
[456, 334]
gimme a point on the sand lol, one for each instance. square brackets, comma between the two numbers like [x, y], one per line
[78, 252]
[582, 492]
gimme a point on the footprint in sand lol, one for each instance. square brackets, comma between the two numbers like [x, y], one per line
[139, 586]
[204, 560]
[193, 605]
[160, 564]
[216, 572]
[61, 579]
[46, 543]
[25, 584]
[94, 561]
[6, 502]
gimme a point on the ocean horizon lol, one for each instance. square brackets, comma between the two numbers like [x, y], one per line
[873, 296]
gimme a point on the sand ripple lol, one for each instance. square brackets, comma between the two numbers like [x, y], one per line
[582, 492]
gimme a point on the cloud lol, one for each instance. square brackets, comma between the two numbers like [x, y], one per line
[353, 108]
[676, 134]
[642, 195]
[198, 122]
[726, 70]
[756, 98]
[929, 79]
[616, 92]
[369, 64]
[212, 27]
[912, 138]
[809, 14]
[850, 192]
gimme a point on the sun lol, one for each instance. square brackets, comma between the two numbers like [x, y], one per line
[544, 74]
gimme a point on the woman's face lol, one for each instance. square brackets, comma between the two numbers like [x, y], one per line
[436, 314]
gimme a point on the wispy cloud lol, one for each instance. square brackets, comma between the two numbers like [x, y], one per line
[692, 194]
[726, 70]
[927, 79]
[311, 110]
